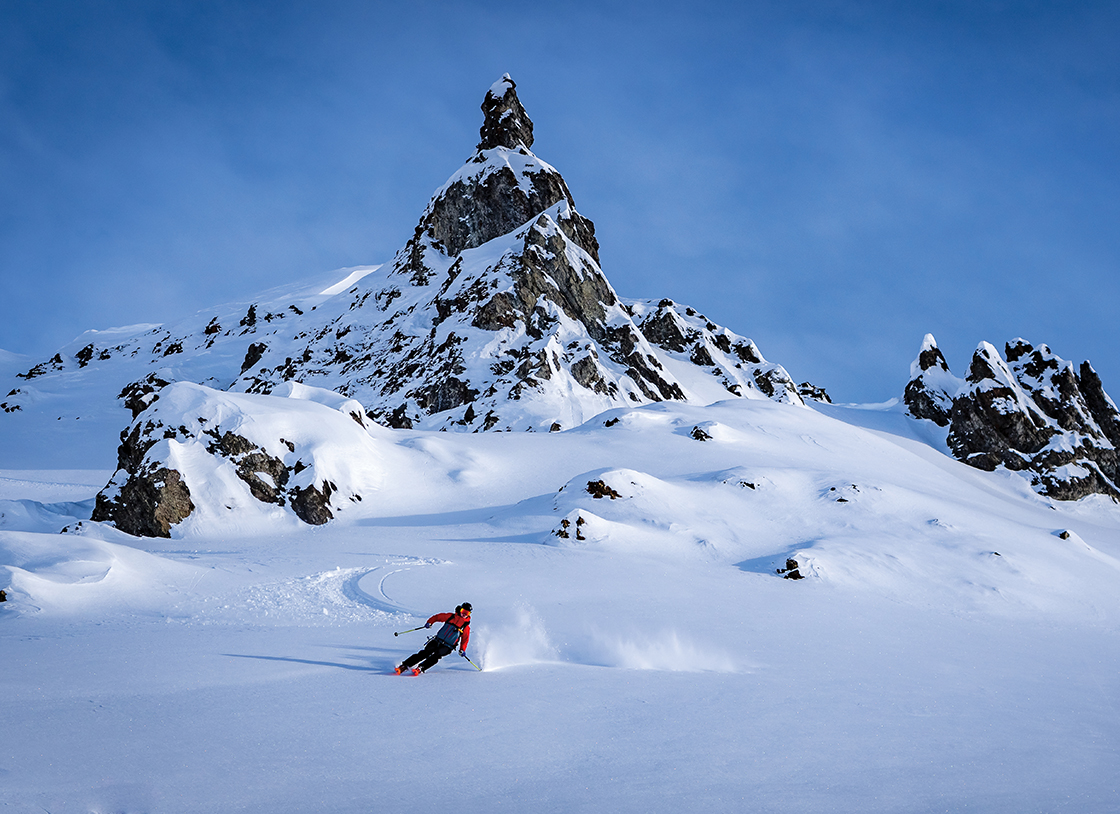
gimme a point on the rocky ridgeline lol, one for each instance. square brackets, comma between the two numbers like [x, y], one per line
[495, 315]
[1031, 412]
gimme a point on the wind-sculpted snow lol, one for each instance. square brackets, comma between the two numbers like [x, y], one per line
[80, 574]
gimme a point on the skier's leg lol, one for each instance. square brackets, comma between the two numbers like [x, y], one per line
[423, 653]
[437, 652]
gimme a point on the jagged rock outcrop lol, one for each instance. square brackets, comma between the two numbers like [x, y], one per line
[195, 450]
[146, 504]
[1031, 413]
[701, 347]
[930, 391]
[812, 392]
[495, 315]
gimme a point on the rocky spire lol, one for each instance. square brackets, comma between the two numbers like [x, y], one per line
[507, 124]
[929, 394]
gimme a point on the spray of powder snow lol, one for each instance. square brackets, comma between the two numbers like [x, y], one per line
[664, 651]
[523, 641]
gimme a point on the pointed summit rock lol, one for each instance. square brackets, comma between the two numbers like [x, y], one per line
[507, 124]
[930, 391]
[501, 187]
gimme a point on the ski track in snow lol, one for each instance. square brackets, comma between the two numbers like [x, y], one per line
[342, 596]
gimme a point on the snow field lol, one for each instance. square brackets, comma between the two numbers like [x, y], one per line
[948, 650]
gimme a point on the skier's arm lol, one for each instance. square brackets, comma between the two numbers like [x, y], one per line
[439, 617]
[463, 641]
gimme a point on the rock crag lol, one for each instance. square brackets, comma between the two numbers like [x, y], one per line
[1031, 412]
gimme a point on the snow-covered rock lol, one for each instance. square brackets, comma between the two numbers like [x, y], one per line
[208, 455]
[930, 391]
[1031, 412]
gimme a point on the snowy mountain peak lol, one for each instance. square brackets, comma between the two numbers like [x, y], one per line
[495, 315]
[507, 124]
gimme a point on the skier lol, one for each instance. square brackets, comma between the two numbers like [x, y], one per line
[456, 630]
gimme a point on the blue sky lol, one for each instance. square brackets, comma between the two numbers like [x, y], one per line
[833, 180]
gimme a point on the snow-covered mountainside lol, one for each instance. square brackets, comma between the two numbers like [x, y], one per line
[1032, 413]
[494, 316]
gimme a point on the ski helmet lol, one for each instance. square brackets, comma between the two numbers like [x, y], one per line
[466, 606]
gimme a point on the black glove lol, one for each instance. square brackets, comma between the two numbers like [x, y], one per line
[428, 625]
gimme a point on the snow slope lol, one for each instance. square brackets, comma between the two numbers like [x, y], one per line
[948, 650]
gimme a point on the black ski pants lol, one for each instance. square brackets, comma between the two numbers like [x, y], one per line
[432, 652]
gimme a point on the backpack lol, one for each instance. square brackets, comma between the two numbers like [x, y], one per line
[449, 634]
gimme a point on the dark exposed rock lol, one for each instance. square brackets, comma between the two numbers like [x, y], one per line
[587, 372]
[444, 395]
[808, 390]
[506, 122]
[312, 505]
[1100, 406]
[1031, 413]
[992, 422]
[665, 329]
[252, 462]
[139, 395]
[148, 503]
[563, 530]
[599, 489]
[54, 363]
[791, 570]
[253, 355]
[929, 393]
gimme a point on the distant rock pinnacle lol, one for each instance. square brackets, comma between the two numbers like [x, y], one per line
[1031, 413]
[507, 124]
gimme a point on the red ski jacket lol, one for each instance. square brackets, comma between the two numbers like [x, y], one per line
[461, 623]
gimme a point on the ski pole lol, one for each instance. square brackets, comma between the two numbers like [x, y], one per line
[398, 633]
[468, 658]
